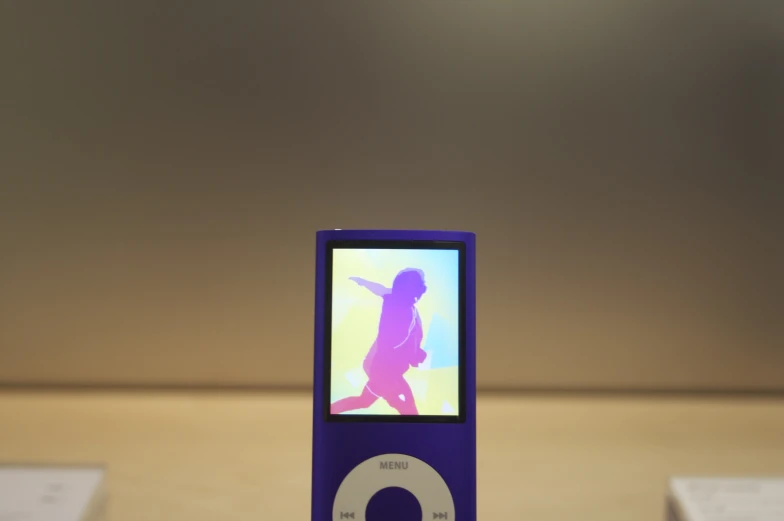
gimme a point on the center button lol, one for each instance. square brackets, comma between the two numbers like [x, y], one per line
[393, 504]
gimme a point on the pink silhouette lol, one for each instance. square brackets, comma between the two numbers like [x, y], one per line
[397, 346]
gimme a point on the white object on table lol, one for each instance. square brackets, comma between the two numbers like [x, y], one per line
[726, 499]
[52, 493]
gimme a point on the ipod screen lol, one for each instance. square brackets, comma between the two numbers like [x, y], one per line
[395, 332]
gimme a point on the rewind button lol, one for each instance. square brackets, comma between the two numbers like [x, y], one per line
[347, 515]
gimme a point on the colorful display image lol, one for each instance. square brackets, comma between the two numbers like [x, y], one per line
[395, 332]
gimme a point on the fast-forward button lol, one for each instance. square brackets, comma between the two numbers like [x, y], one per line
[347, 515]
[440, 515]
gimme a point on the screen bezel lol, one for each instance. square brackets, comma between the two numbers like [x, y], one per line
[458, 246]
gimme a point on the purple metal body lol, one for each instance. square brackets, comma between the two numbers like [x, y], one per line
[450, 448]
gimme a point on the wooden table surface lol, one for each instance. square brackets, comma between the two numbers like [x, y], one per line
[230, 456]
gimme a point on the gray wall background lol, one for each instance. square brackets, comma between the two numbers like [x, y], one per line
[165, 166]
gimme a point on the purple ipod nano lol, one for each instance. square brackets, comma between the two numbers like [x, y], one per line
[394, 396]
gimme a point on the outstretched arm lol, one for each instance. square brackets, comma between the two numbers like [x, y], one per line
[373, 287]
